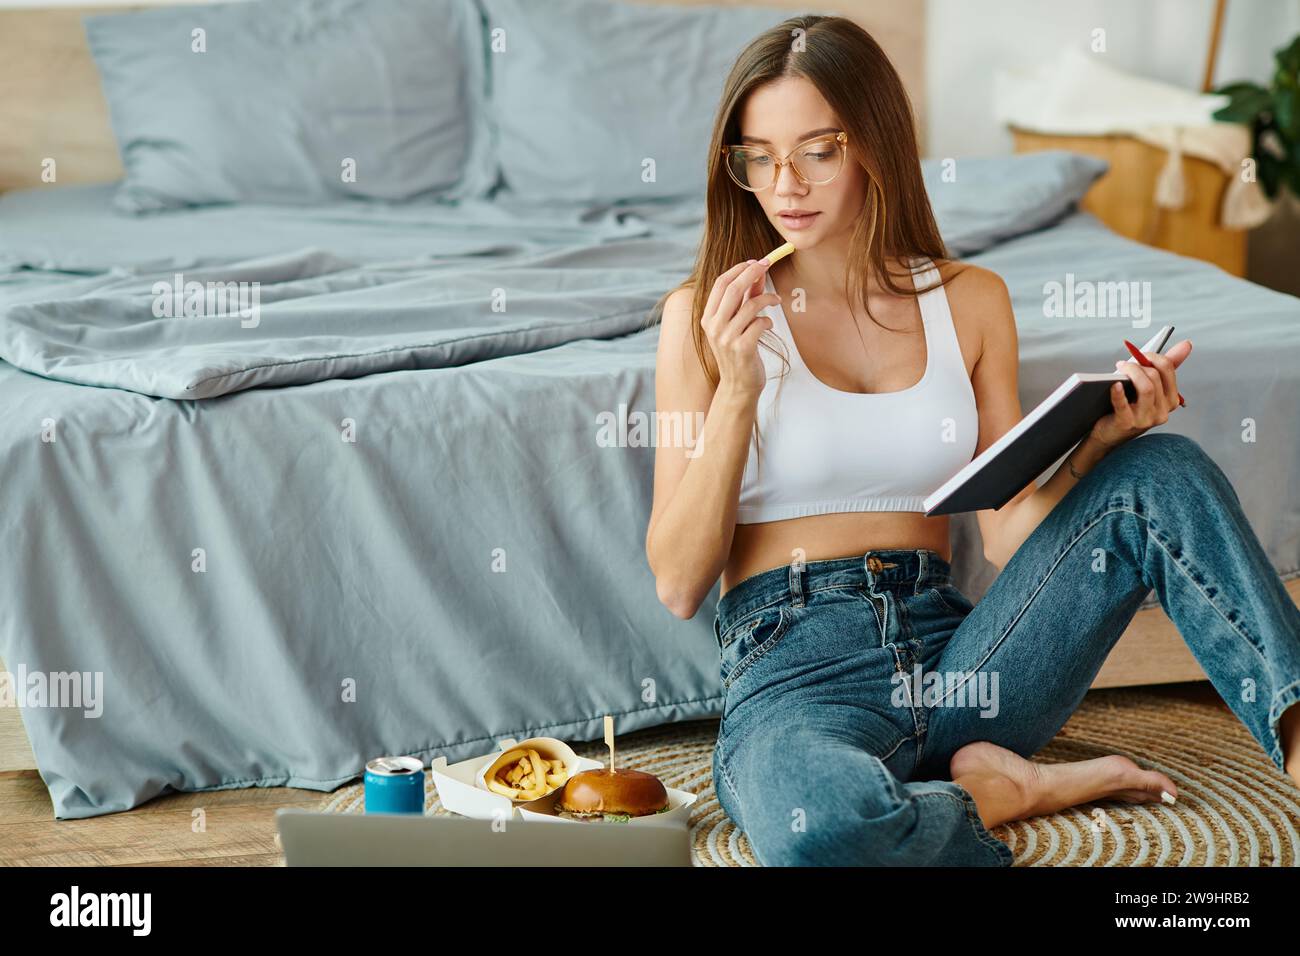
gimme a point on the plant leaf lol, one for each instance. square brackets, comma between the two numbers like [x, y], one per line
[1234, 89]
[1288, 61]
[1245, 105]
[1285, 111]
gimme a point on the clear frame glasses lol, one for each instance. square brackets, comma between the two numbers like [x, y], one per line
[816, 162]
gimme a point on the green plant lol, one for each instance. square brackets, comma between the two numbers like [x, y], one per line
[1273, 115]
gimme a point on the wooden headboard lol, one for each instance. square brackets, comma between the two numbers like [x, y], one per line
[51, 104]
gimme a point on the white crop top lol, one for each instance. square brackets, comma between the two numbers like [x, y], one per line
[827, 451]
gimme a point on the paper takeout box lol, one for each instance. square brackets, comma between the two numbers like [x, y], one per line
[461, 788]
[549, 748]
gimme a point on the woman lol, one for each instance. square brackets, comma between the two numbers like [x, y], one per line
[838, 745]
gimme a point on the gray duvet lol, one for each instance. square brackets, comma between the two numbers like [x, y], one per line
[386, 518]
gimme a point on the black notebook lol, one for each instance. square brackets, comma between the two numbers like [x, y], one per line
[1028, 449]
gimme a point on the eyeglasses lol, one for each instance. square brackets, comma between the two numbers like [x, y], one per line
[816, 162]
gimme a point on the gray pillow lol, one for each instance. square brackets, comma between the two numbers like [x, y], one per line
[981, 202]
[286, 92]
[585, 91]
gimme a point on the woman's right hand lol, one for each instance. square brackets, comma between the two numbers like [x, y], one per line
[732, 326]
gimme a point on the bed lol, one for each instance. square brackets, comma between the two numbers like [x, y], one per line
[389, 518]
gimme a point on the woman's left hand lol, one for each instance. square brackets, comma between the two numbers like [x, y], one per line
[1157, 396]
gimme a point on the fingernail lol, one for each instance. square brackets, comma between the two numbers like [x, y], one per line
[1167, 797]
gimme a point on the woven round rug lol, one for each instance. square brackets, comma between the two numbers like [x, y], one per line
[1234, 807]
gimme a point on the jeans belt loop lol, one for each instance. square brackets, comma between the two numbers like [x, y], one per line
[796, 582]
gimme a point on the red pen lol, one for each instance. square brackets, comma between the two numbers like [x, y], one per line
[1143, 360]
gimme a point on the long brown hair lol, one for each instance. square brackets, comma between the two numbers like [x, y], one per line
[857, 80]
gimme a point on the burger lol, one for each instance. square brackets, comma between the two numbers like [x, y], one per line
[612, 795]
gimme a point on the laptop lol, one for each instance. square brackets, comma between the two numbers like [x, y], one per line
[376, 839]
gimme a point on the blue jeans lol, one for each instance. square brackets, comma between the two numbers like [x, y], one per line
[850, 683]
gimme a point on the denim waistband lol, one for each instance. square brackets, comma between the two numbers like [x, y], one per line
[901, 570]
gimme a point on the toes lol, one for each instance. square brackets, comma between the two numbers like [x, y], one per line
[1159, 784]
[1145, 796]
[1135, 796]
[1133, 779]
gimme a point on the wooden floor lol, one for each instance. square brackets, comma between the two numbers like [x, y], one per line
[239, 828]
[235, 828]
[239, 824]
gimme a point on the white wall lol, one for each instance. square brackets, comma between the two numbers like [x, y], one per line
[1164, 39]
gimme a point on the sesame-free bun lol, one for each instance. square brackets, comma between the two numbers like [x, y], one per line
[633, 793]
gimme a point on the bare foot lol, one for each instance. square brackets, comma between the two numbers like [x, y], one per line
[1289, 730]
[1006, 786]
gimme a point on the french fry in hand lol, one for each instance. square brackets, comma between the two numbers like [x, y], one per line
[779, 253]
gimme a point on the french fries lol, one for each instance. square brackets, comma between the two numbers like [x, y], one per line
[779, 253]
[527, 775]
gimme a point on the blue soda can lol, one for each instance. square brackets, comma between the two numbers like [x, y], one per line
[395, 785]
